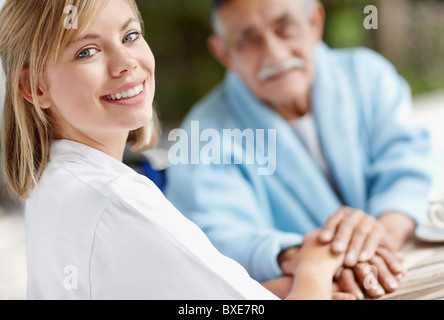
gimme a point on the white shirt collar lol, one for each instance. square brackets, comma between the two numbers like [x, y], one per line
[67, 150]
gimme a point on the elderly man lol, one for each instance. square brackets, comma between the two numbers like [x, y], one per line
[349, 158]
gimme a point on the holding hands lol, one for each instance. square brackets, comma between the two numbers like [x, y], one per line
[359, 251]
[372, 262]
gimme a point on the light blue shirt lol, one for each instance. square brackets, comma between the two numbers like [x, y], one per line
[379, 158]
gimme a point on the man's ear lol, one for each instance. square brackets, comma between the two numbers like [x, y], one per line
[318, 21]
[43, 99]
[219, 50]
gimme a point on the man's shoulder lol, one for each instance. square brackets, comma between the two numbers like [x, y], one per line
[362, 59]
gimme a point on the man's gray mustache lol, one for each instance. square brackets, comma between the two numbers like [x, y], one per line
[289, 64]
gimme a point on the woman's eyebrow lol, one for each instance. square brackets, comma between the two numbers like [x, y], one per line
[131, 20]
[96, 36]
[85, 37]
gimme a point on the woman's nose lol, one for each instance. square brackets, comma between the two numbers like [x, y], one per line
[121, 62]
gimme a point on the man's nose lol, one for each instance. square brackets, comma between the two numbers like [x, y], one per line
[275, 50]
[121, 62]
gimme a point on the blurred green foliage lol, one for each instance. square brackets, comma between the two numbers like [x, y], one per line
[420, 39]
[177, 32]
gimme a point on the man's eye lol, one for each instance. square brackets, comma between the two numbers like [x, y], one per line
[87, 53]
[249, 41]
[288, 29]
[132, 37]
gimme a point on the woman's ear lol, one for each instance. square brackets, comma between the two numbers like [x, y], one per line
[43, 99]
[219, 50]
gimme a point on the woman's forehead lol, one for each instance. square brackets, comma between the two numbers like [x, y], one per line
[104, 15]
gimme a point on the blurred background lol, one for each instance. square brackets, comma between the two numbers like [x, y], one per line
[409, 34]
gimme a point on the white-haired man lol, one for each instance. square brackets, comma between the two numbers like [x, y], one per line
[349, 158]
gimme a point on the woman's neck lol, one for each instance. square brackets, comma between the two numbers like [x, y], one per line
[112, 145]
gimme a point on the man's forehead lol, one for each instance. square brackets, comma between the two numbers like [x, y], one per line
[248, 14]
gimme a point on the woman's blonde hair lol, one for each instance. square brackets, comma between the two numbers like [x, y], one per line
[32, 35]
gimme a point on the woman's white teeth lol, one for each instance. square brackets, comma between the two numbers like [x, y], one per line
[126, 94]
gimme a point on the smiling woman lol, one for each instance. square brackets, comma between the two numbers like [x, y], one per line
[96, 229]
[30, 145]
[101, 65]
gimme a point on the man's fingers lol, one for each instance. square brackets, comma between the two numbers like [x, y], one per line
[335, 287]
[400, 255]
[342, 296]
[329, 229]
[347, 283]
[359, 237]
[372, 243]
[385, 277]
[345, 231]
[368, 278]
[393, 262]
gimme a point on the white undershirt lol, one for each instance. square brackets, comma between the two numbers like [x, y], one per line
[307, 131]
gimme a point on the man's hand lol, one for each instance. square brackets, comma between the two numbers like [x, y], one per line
[376, 277]
[287, 260]
[339, 294]
[368, 244]
[354, 232]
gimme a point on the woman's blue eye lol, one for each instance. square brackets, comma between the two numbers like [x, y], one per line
[86, 53]
[132, 37]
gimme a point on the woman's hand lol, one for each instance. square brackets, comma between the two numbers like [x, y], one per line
[313, 269]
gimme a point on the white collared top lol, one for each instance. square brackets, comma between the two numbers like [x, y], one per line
[98, 230]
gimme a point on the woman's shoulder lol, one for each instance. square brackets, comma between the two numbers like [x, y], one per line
[84, 167]
[76, 177]
[75, 189]
[123, 191]
[71, 191]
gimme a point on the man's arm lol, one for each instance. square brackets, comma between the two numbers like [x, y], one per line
[398, 167]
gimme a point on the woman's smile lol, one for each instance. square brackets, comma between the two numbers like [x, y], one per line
[130, 94]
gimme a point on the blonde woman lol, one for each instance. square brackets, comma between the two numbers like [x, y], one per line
[80, 87]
